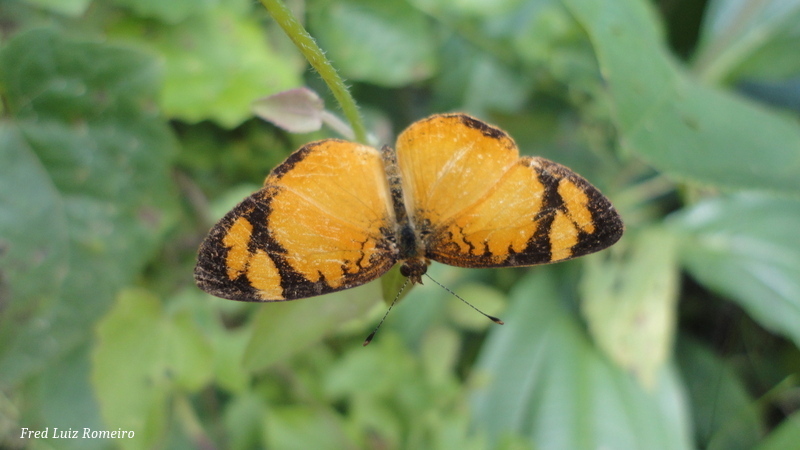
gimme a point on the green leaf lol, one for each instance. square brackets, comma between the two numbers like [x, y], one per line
[142, 355]
[67, 398]
[282, 329]
[387, 43]
[479, 82]
[786, 435]
[747, 247]
[630, 303]
[540, 377]
[28, 254]
[72, 8]
[682, 127]
[749, 40]
[97, 153]
[725, 416]
[244, 418]
[216, 64]
[466, 7]
[305, 427]
[172, 11]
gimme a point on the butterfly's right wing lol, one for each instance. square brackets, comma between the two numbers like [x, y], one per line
[481, 205]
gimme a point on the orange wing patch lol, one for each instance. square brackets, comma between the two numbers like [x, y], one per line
[337, 214]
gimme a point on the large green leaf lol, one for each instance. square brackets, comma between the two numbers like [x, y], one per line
[92, 154]
[387, 43]
[216, 63]
[747, 247]
[541, 378]
[680, 126]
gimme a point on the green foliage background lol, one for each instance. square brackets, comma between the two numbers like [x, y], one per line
[127, 130]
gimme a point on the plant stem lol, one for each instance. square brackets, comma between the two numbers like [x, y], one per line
[316, 57]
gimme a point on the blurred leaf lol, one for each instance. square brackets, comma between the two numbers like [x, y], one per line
[283, 328]
[539, 377]
[150, 353]
[465, 7]
[439, 353]
[244, 420]
[387, 43]
[28, 254]
[229, 350]
[416, 404]
[360, 372]
[682, 127]
[216, 64]
[725, 416]
[478, 82]
[780, 94]
[630, 303]
[86, 114]
[72, 8]
[68, 400]
[305, 427]
[747, 247]
[750, 39]
[786, 435]
[172, 11]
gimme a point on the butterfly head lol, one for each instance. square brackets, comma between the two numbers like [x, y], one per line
[414, 268]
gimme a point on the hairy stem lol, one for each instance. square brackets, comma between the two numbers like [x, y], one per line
[316, 57]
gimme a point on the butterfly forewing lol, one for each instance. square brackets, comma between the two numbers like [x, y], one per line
[448, 163]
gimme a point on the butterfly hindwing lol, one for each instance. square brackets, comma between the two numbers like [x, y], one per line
[320, 224]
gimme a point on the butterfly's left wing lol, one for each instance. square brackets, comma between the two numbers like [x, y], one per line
[321, 223]
[501, 210]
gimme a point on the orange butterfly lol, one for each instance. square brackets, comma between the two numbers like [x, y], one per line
[338, 214]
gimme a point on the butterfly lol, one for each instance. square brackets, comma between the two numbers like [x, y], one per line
[338, 214]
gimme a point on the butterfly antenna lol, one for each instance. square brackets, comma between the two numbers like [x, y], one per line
[492, 318]
[396, 297]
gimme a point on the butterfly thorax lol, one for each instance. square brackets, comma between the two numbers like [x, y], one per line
[409, 246]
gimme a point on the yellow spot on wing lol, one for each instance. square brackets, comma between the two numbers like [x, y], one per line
[576, 202]
[264, 276]
[236, 240]
[563, 236]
